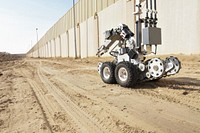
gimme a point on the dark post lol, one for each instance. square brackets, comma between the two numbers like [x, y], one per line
[147, 14]
[155, 13]
[151, 18]
[138, 35]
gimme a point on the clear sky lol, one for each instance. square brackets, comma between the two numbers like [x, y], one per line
[20, 18]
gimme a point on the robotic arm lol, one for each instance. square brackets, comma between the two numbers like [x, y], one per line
[122, 34]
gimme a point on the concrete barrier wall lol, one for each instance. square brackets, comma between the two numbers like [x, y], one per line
[179, 20]
[53, 48]
[84, 39]
[78, 40]
[58, 46]
[92, 36]
[46, 51]
[49, 49]
[71, 43]
[88, 32]
[41, 51]
[64, 45]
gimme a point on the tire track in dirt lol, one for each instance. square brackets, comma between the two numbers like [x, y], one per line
[25, 112]
[78, 86]
[52, 111]
[33, 85]
[84, 121]
[74, 91]
[112, 117]
[39, 97]
[180, 90]
[171, 97]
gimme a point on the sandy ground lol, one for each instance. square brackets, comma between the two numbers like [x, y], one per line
[68, 96]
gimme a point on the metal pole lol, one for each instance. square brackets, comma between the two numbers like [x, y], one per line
[37, 42]
[74, 29]
[147, 13]
[155, 7]
[138, 25]
[37, 34]
[151, 18]
[155, 13]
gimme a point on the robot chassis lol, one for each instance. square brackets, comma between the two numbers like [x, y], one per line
[129, 66]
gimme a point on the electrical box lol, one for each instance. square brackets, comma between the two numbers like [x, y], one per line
[152, 35]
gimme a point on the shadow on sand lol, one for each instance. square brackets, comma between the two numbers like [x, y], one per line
[180, 83]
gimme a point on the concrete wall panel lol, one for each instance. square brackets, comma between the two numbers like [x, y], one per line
[58, 46]
[40, 52]
[111, 17]
[53, 48]
[129, 15]
[46, 49]
[35, 54]
[43, 51]
[179, 21]
[78, 41]
[84, 39]
[92, 37]
[71, 43]
[49, 49]
[64, 45]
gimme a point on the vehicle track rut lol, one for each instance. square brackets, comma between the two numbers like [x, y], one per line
[50, 108]
[83, 120]
[68, 78]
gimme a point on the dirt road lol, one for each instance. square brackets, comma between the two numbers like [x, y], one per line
[67, 95]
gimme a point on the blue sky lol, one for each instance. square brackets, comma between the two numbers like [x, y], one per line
[20, 18]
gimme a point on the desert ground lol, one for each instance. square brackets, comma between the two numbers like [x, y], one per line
[68, 96]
